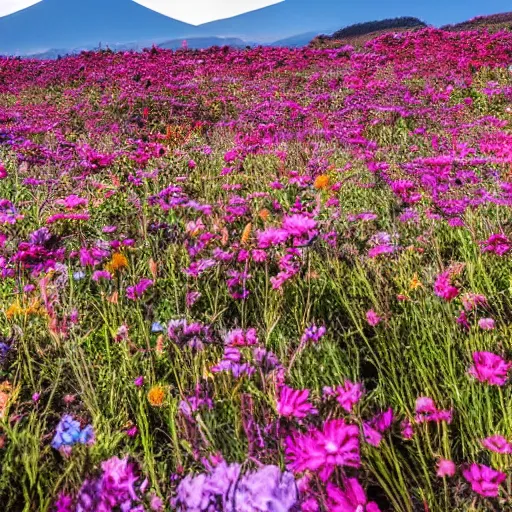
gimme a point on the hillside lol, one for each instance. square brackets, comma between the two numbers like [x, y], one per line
[358, 34]
[493, 22]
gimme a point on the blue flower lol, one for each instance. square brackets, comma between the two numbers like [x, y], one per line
[157, 327]
[78, 275]
[68, 433]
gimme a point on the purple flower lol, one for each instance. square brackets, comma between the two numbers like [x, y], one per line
[101, 274]
[135, 292]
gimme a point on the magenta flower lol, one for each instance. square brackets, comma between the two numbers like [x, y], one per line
[498, 244]
[351, 499]
[191, 298]
[299, 226]
[406, 429]
[137, 291]
[337, 444]
[490, 368]
[72, 201]
[348, 394]
[294, 403]
[426, 411]
[97, 275]
[497, 444]
[443, 287]
[372, 318]
[445, 468]
[271, 237]
[484, 480]
[371, 435]
[139, 381]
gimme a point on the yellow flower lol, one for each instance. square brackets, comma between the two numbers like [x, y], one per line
[117, 262]
[156, 396]
[321, 182]
[415, 282]
[14, 310]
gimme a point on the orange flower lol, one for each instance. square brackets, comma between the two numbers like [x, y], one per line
[321, 182]
[117, 262]
[264, 214]
[153, 268]
[156, 396]
[114, 298]
[5, 395]
[415, 282]
[160, 344]
[246, 234]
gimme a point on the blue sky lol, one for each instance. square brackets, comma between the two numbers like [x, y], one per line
[71, 23]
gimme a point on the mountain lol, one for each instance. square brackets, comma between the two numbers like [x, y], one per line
[79, 23]
[53, 24]
[199, 43]
[296, 40]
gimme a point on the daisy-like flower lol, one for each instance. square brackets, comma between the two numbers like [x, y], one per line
[156, 396]
[294, 403]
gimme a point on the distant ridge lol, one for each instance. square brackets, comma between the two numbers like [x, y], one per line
[359, 33]
[361, 29]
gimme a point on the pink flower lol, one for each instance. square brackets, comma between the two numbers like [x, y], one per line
[490, 368]
[487, 324]
[445, 468]
[484, 480]
[443, 287]
[427, 411]
[471, 301]
[372, 318]
[294, 403]
[3, 172]
[351, 499]
[497, 444]
[337, 444]
[348, 395]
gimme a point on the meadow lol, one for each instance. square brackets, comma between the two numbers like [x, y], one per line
[258, 280]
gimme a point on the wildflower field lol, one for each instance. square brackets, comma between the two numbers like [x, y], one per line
[258, 280]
